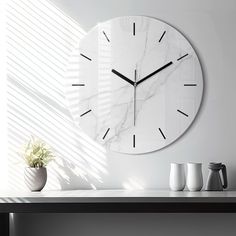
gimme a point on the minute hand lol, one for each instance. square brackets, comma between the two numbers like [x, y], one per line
[122, 76]
[155, 72]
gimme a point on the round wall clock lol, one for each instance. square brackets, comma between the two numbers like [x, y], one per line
[134, 84]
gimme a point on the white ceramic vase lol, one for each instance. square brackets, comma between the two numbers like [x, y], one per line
[177, 177]
[35, 178]
[194, 176]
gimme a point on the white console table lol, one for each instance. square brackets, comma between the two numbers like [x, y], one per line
[114, 201]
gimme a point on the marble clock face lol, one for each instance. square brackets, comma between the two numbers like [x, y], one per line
[134, 84]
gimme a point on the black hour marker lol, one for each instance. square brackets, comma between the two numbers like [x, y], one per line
[78, 84]
[182, 57]
[106, 133]
[106, 36]
[85, 113]
[134, 141]
[162, 36]
[134, 28]
[85, 57]
[162, 133]
[190, 84]
[182, 113]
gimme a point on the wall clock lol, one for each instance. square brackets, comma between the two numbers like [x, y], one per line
[134, 84]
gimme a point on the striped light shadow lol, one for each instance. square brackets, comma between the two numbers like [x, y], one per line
[21, 33]
[22, 67]
[98, 166]
[102, 98]
[35, 124]
[29, 53]
[40, 41]
[36, 26]
[25, 77]
[82, 169]
[48, 20]
[104, 73]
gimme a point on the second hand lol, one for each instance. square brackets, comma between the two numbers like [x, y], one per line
[135, 76]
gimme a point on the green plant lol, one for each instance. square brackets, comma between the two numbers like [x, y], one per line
[37, 153]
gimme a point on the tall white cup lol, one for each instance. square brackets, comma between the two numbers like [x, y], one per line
[194, 176]
[177, 177]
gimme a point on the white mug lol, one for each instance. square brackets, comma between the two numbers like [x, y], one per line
[177, 177]
[194, 176]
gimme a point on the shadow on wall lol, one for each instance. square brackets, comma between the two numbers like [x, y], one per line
[70, 177]
[85, 171]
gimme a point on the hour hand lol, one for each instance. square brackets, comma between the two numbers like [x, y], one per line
[122, 76]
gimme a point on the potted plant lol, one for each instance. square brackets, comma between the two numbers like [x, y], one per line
[37, 154]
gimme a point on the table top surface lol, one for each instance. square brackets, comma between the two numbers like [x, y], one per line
[104, 196]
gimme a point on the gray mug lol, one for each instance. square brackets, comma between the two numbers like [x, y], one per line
[214, 182]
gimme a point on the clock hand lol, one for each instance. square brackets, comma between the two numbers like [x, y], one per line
[155, 72]
[135, 85]
[122, 76]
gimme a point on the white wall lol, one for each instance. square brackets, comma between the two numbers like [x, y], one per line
[210, 27]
